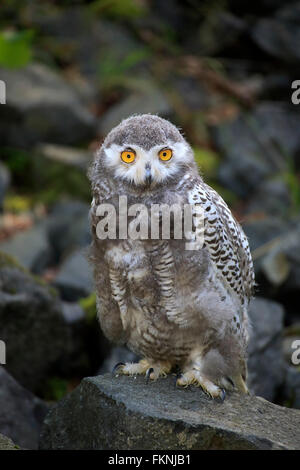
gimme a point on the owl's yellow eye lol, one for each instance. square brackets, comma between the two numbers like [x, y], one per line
[128, 156]
[165, 154]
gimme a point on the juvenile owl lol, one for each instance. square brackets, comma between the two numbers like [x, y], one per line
[175, 308]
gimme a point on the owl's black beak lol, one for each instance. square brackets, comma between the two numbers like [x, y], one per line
[148, 175]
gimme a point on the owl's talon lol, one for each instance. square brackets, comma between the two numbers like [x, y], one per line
[177, 377]
[180, 381]
[148, 374]
[230, 381]
[194, 377]
[223, 394]
[117, 367]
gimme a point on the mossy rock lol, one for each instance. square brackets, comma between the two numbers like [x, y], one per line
[7, 444]
[89, 306]
[8, 261]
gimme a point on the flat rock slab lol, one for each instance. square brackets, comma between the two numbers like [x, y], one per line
[112, 413]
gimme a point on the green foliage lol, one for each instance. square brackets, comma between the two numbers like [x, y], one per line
[207, 160]
[119, 9]
[115, 71]
[8, 260]
[89, 306]
[17, 160]
[54, 180]
[229, 196]
[292, 180]
[210, 11]
[15, 48]
[55, 388]
[17, 204]
[44, 180]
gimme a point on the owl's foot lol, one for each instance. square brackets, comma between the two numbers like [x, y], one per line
[194, 377]
[152, 370]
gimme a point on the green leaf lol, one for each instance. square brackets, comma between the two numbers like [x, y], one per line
[114, 70]
[55, 388]
[119, 9]
[89, 306]
[15, 48]
[207, 160]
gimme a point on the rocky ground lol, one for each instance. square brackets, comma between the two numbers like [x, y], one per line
[224, 76]
[126, 413]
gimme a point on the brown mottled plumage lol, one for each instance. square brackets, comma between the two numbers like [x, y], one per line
[170, 305]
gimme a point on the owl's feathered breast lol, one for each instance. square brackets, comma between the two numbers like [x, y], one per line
[147, 275]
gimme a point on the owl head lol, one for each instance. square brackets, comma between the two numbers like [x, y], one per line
[145, 151]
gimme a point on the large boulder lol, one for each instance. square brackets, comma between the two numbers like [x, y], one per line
[264, 234]
[146, 99]
[266, 363]
[31, 248]
[85, 349]
[68, 227]
[255, 144]
[66, 155]
[74, 279]
[21, 413]
[31, 324]
[275, 247]
[4, 183]
[279, 35]
[273, 197]
[108, 412]
[77, 36]
[42, 106]
[291, 389]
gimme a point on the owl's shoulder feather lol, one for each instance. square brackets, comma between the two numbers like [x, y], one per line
[224, 239]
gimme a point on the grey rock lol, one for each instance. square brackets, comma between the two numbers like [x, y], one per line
[288, 346]
[291, 391]
[280, 35]
[83, 39]
[263, 230]
[66, 155]
[219, 30]
[272, 198]
[31, 325]
[80, 354]
[72, 313]
[265, 364]
[147, 100]
[42, 106]
[68, 227]
[4, 183]
[74, 279]
[275, 267]
[6, 443]
[275, 87]
[192, 93]
[31, 248]
[262, 235]
[278, 258]
[255, 145]
[21, 413]
[123, 413]
[290, 248]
